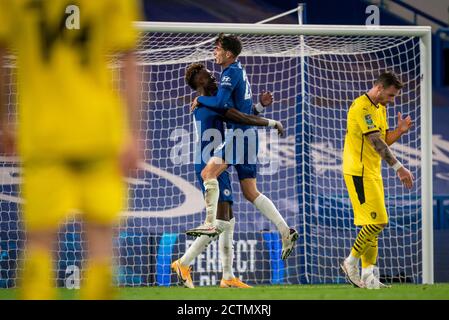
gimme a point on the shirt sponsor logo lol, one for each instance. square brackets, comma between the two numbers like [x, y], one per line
[369, 120]
[226, 81]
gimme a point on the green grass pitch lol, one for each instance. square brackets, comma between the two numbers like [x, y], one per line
[285, 292]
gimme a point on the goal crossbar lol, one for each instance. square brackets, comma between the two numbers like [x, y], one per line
[284, 29]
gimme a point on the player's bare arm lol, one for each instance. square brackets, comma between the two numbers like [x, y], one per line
[242, 118]
[265, 99]
[404, 125]
[384, 151]
[7, 144]
[131, 154]
[382, 148]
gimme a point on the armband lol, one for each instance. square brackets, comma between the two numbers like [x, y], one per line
[259, 107]
[271, 123]
[397, 166]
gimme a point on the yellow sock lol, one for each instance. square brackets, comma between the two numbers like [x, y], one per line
[369, 257]
[97, 283]
[366, 234]
[37, 276]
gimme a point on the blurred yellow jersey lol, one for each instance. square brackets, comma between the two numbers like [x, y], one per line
[67, 108]
[359, 156]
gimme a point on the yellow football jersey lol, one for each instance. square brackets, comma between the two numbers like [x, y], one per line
[66, 105]
[359, 156]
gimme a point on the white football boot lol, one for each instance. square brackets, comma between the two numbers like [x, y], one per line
[206, 229]
[352, 274]
[370, 278]
[288, 242]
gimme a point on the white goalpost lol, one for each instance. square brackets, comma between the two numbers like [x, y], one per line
[314, 73]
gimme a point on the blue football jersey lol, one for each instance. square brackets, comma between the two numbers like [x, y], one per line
[208, 126]
[234, 90]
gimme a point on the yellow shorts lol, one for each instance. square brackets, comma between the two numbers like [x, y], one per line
[368, 200]
[51, 191]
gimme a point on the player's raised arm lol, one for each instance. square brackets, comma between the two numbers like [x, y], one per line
[404, 125]
[220, 100]
[242, 118]
[384, 151]
[222, 96]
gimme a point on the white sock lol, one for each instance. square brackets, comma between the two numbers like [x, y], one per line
[352, 260]
[269, 210]
[211, 197]
[370, 270]
[195, 249]
[221, 225]
[226, 250]
[367, 271]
